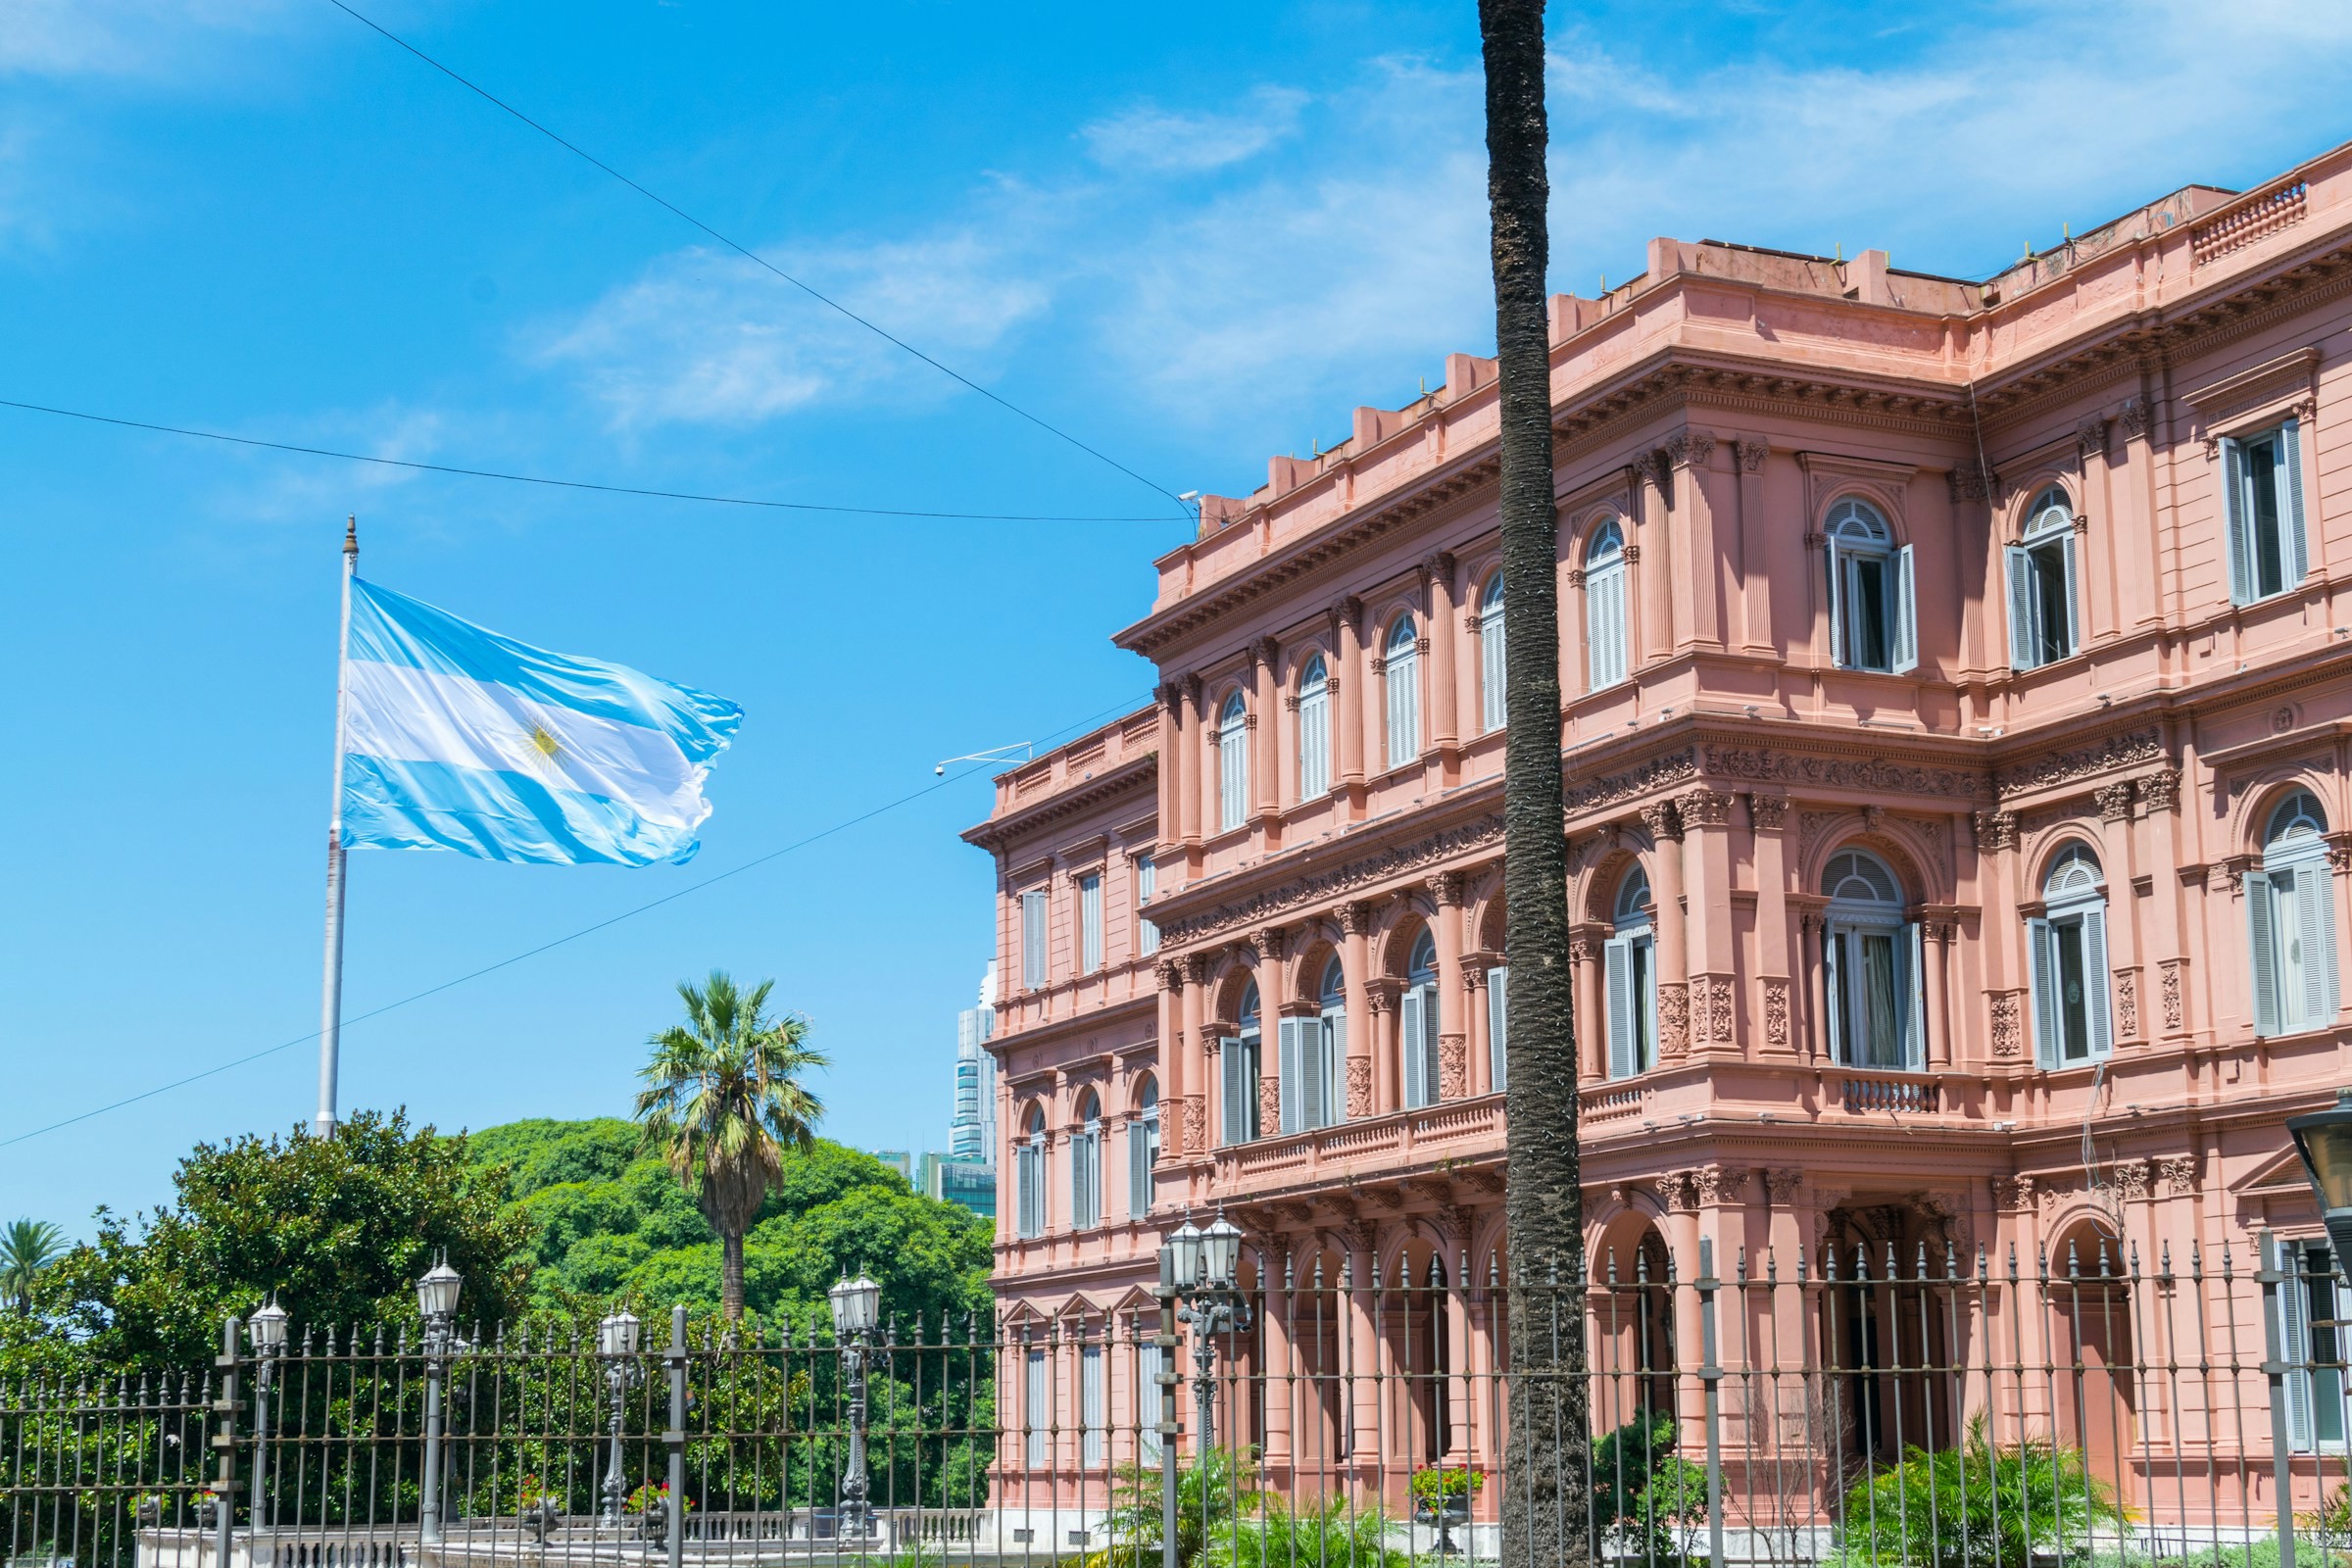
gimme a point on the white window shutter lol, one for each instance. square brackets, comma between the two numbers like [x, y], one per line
[2074, 594]
[1232, 1072]
[2025, 648]
[2263, 952]
[1498, 1016]
[1335, 1067]
[1090, 921]
[1905, 640]
[1913, 950]
[1491, 668]
[2294, 1342]
[2048, 1042]
[2291, 503]
[1618, 960]
[1314, 746]
[1287, 1065]
[1837, 603]
[1410, 1033]
[2095, 979]
[1033, 941]
[1840, 1024]
[2315, 929]
[1138, 1169]
[2239, 526]
[1035, 1415]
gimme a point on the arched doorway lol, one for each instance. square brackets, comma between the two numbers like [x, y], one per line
[2096, 1384]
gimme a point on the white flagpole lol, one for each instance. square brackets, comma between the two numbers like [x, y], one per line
[330, 1006]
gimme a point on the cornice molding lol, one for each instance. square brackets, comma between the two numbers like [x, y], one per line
[995, 833]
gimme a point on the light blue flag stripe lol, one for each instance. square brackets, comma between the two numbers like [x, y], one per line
[390, 628]
[496, 816]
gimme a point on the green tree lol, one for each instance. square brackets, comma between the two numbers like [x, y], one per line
[339, 1227]
[723, 1102]
[27, 1247]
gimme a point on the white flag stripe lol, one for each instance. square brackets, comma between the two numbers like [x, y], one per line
[404, 713]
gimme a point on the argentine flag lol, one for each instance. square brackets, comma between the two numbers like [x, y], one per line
[456, 738]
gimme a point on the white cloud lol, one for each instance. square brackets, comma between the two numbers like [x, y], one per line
[1158, 140]
[121, 37]
[285, 487]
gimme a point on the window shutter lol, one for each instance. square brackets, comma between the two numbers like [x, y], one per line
[2294, 1342]
[2315, 929]
[1035, 1415]
[2239, 525]
[1146, 881]
[1905, 638]
[2046, 1042]
[1090, 921]
[1618, 960]
[2263, 952]
[1491, 668]
[1499, 1014]
[1232, 1070]
[2073, 593]
[1314, 746]
[1139, 1168]
[1092, 1402]
[2025, 648]
[1292, 1093]
[1412, 1033]
[1335, 1068]
[1033, 941]
[1838, 1025]
[1147, 1402]
[1837, 605]
[2095, 978]
[1914, 998]
[2290, 505]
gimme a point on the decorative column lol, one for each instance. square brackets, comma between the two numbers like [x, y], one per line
[1789, 1342]
[1674, 974]
[1346, 621]
[1586, 947]
[1198, 1077]
[1453, 1050]
[1454, 1224]
[2165, 1013]
[1274, 1295]
[1679, 1190]
[1698, 560]
[1479, 1045]
[1174, 807]
[1444, 701]
[1355, 923]
[2100, 586]
[1706, 818]
[1765, 815]
[1363, 1380]
[1189, 765]
[1650, 563]
[1811, 926]
[1938, 929]
[1174, 1031]
[1756, 574]
[1265, 740]
[2005, 995]
[1387, 1093]
[2123, 911]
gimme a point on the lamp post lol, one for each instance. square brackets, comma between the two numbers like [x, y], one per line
[437, 1299]
[617, 1343]
[2325, 1140]
[266, 1330]
[1203, 1265]
[856, 1304]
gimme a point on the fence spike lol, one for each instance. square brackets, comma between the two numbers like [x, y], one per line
[2074, 1264]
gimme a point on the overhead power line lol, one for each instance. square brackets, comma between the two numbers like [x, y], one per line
[510, 961]
[554, 483]
[753, 257]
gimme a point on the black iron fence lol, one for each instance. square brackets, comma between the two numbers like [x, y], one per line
[1887, 1403]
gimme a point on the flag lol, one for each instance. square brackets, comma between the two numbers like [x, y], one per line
[456, 738]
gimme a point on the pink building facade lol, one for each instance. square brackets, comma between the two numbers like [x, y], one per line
[1958, 746]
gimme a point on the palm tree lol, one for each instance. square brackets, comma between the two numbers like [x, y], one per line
[1544, 1495]
[723, 1101]
[27, 1247]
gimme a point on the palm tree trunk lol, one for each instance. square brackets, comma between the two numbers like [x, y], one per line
[730, 1275]
[1544, 1496]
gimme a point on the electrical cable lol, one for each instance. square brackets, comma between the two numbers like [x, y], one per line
[548, 947]
[753, 257]
[541, 479]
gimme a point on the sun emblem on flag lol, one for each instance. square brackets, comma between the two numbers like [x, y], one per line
[544, 742]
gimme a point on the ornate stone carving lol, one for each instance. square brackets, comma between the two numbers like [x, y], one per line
[2131, 1177]
[2134, 417]
[2006, 1017]
[2127, 1003]
[1971, 481]
[1711, 1008]
[1430, 1190]
[1811, 826]
[1387, 1198]
[1447, 888]
[1714, 1185]
[1171, 974]
[1661, 771]
[2103, 755]
[1269, 1104]
[1689, 449]
[2160, 791]
[1704, 807]
[1269, 942]
[1359, 1088]
[1195, 1124]
[1781, 1187]
[2115, 801]
[2091, 435]
[2013, 1192]
[2179, 1174]
[1357, 918]
[1487, 1183]
[1453, 1067]
[1775, 1012]
[1674, 1020]
[1677, 1190]
[1197, 966]
[1459, 1225]
[1437, 567]
[1663, 821]
[1765, 811]
[2167, 986]
[1751, 455]
[1378, 867]
[1995, 830]
[1868, 774]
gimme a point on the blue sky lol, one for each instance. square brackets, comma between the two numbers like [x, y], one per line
[1191, 235]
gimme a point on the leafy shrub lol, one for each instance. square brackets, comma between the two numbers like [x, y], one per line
[1647, 1501]
[1326, 1533]
[1211, 1492]
[1433, 1488]
[1976, 1505]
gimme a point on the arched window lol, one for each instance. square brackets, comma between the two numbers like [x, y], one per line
[1143, 1150]
[1498, 1018]
[1238, 1056]
[1604, 607]
[1417, 1024]
[1404, 677]
[2070, 962]
[1029, 1177]
[1871, 625]
[1233, 764]
[1871, 967]
[1492, 671]
[1631, 961]
[2042, 586]
[2290, 909]
[1086, 1165]
[1333, 998]
[1314, 729]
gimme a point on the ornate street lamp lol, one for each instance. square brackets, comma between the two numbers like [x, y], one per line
[857, 1304]
[266, 1330]
[1204, 1268]
[2325, 1140]
[437, 1299]
[617, 1343]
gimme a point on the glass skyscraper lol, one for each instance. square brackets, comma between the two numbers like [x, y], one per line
[972, 1133]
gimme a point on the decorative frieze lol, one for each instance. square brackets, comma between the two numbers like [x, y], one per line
[2176, 1174]
[1781, 1187]
[1775, 1012]
[1674, 1020]
[1453, 1067]
[1359, 1088]
[1751, 455]
[1446, 886]
[1971, 481]
[1866, 773]
[1689, 449]
[2127, 1003]
[1995, 830]
[1269, 1104]
[2013, 1192]
[2008, 1012]
[1389, 863]
[2105, 756]
[1713, 1186]
[2134, 418]
[1658, 772]
[2132, 1179]
[2167, 986]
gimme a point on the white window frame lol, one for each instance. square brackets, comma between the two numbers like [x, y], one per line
[1494, 668]
[1859, 537]
[1086, 1170]
[1498, 1019]
[1029, 1183]
[1090, 923]
[1147, 882]
[1400, 676]
[2048, 546]
[1418, 1025]
[1630, 976]
[1237, 1069]
[2290, 922]
[1314, 729]
[1233, 764]
[1036, 911]
[1852, 919]
[2240, 498]
[1143, 1153]
[2310, 1306]
[1606, 639]
[2079, 905]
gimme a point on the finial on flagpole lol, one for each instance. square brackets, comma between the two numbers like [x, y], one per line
[351, 536]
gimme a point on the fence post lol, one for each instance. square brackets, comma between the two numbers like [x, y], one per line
[675, 1437]
[2275, 1369]
[1710, 1377]
[225, 1444]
